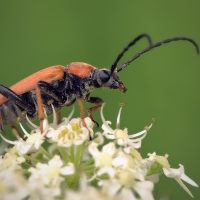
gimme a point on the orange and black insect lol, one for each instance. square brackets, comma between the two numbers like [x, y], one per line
[62, 86]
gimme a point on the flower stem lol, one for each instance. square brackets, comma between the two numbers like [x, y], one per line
[72, 153]
[90, 161]
[87, 168]
[45, 152]
[79, 154]
[64, 154]
[29, 158]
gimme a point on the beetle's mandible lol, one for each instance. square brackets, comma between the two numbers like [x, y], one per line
[62, 86]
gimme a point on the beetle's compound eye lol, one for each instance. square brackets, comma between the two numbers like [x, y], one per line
[104, 75]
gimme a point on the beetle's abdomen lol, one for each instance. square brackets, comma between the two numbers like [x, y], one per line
[11, 113]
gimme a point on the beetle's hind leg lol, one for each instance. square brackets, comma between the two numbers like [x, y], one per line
[16, 132]
[18, 101]
[9, 94]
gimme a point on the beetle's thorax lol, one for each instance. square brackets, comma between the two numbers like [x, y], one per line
[78, 79]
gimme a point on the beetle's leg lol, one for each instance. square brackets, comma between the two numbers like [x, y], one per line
[1, 123]
[16, 131]
[58, 117]
[50, 90]
[94, 100]
[82, 113]
[9, 94]
[40, 107]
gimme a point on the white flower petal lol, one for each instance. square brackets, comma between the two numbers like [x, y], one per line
[109, 148]
[126, 194]
[144, 189]
[188, 180]
[31, 123]
[108, 128]
[183, 186]
[67, 170]
[179, 174]
[56, 160]
[92, 148]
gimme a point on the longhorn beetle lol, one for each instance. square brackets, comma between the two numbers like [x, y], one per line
[62, 86]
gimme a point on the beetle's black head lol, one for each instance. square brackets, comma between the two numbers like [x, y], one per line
[104, 78]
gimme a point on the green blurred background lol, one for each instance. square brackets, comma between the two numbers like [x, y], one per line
[163, 83]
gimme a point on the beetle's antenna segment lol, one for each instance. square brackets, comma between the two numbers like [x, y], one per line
[114, 65]
[121, 67]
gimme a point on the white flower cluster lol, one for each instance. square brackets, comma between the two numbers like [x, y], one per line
[63, 163]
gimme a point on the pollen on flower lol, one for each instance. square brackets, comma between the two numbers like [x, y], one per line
[146, 128]
[76, 128]
[153, 121]
[63, 133]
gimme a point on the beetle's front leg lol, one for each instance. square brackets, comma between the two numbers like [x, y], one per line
[94, 100]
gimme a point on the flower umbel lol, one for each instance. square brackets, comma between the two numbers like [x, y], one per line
[63, 163]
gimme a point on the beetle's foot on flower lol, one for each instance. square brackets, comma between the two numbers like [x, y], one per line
[95, 122]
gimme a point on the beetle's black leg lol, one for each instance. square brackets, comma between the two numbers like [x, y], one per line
[50, 91]
[8, 93]
[94, 100]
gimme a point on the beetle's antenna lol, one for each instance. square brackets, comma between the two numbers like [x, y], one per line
[114, 65]
[121, 67]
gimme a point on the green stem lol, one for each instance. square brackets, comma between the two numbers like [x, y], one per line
[45, 152]
[90, 167]
[31, 159]
[64, 154]
[79, 154]
[72, 153]
[90, 161]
